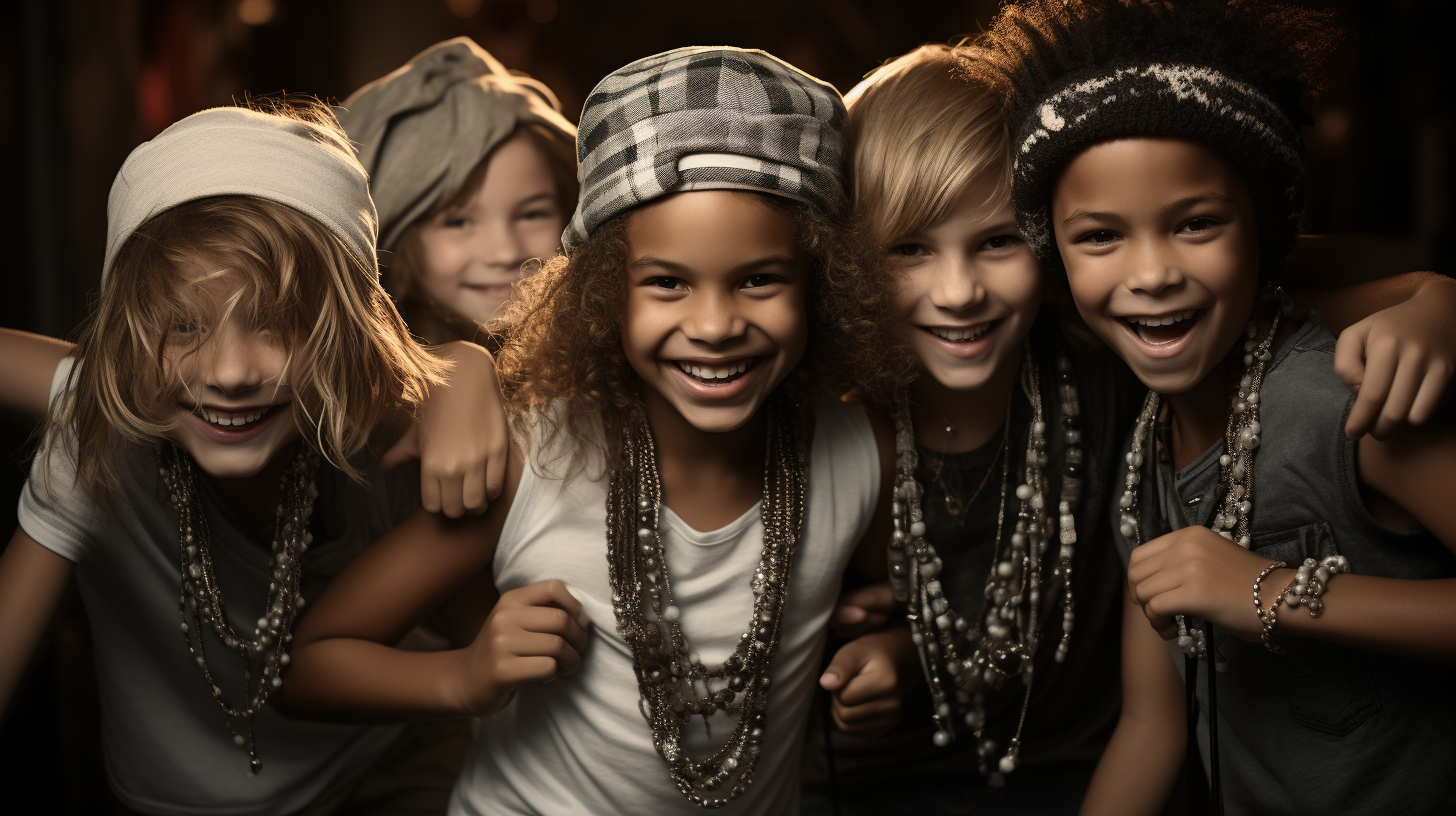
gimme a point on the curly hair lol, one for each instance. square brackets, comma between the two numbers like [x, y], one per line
[563, 365]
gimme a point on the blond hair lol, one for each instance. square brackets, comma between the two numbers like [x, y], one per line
[921, 133]
[350, 359]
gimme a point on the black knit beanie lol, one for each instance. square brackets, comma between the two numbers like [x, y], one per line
[1212, 71]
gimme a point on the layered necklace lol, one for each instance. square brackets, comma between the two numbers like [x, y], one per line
[264, 650]
[674, 684]
[962, 658]
[1242, 437]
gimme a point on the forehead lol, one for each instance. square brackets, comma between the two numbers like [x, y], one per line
[516, 169]
[1145, 169]
[711, 229]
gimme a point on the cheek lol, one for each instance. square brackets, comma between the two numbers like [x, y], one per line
[541, 240]
[443, 256]
[1019, 286]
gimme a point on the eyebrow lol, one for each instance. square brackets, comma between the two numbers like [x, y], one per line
[648, 261]
[1086, 215]
[1180, 204]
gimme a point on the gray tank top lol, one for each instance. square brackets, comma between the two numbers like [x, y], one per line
[1323, 728]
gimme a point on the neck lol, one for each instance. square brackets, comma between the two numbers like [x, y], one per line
[976, 415]
[254, 499]
[693, 462]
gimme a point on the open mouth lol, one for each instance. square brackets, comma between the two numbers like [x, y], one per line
[1160, 330]
[965, 334]
[716, 374]
[234, 421]
[493, 289]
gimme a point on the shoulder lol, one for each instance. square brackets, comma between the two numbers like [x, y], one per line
[851, 425]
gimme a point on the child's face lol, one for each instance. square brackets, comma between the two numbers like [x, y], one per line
[235, 411]
[968, 290]
[716, 306]
[1157, 230]
[473, 253]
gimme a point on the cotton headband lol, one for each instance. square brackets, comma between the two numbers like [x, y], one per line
[422, 129]
[706, 118]
[235, 151]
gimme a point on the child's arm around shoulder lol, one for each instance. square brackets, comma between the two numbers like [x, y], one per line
[345, 668]
[33, 581]
[27, 365]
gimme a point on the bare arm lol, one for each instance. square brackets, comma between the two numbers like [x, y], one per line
[1140, 766]
[344, 667]
[33, 581]
[27, 364]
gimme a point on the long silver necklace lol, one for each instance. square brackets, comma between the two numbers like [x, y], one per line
[962, 659]
[674, 684]
[264, 652]
[1242, 436]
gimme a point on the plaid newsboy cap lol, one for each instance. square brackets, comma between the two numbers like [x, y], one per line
[702, 118]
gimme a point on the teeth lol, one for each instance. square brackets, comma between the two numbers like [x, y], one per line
[226, 421]
[1165, 320]
[713, 372]
[960, 335]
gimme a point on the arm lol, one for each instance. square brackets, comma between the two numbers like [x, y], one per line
[33, 581]
[1140, 766]
[1195, 571]
[27, 365]
[459, 435]
[344, 669]
[1397, 347]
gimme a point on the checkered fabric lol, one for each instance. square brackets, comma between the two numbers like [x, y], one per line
[1188, 101]
[706, 118]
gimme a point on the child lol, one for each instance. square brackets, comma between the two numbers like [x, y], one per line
[240, 359]
[473, 171]
[654, 374]
[1157, 161]
[933, 192]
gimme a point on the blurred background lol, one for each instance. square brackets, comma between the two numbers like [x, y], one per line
[82, 82]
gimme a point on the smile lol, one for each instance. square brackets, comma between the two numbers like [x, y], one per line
[1160, 330]
[236, 426]
[716, 375]
[963, 334]
[225, 419]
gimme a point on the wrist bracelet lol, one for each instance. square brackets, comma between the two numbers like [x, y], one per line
[1310, 581]
[1268, 617]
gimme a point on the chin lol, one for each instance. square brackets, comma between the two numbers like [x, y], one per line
[234, 461]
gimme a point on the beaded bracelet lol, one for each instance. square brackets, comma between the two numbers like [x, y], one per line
[1310, 581]
[1268, 617]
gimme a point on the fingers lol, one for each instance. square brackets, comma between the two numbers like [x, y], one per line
[872, 598]
[1381, 359]
[847, 615]
[1350, 355]
[473, 491]
[545, 593]
[865, 688]
[1407, 383]
[452, 497]
[495, 470]
[1433, 390]
[407, 448]
[429, 492]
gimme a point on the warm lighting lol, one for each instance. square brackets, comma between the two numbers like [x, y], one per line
[256, 12]
[463, 8]
[541, 11]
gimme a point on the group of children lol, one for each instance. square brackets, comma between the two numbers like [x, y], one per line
[788, 344]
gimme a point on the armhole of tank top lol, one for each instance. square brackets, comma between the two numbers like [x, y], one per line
[520, 505]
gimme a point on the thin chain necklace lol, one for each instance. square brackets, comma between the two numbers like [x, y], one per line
[962, 659]
[1242, 436]
[954, 505]
[264, 652]
[674, 684]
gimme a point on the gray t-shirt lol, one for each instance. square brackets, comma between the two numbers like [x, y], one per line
[168, 750]
[1323, 728]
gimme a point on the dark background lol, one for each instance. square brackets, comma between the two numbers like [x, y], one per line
[82, 82]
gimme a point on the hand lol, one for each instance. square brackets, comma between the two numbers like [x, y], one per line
[1196, 571]
[864, 681]
[534, 633]
[1399, 361]
[863, 610]
[459, 435]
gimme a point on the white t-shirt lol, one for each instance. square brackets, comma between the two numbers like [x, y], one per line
[168, 750]
[579, 745]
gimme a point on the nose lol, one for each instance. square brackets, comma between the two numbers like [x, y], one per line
[501, 245]
[234, 361]
[1152, 267]
[714, 318]
[957, 285]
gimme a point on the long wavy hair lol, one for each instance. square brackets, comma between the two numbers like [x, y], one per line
[565, 375]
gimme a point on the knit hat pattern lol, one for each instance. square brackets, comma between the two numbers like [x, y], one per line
[702, 118]
[1160, 100]
[423, 128]
[236, 151]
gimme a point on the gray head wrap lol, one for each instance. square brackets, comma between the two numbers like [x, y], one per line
[707, 118]
[423, 128]
[236, 151]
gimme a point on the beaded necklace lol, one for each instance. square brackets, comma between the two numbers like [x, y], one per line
[1242, 436]
[674, 684]
[961, 658]
[200, 600]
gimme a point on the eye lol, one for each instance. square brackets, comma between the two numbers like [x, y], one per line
[665, 283]
[1097, 238]
[537, 214]
[908, 250]
[1198, 225]
[997, 242]
[761, 280]
[450, 221]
